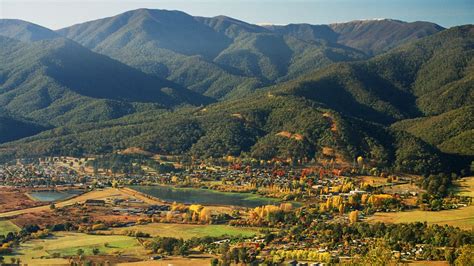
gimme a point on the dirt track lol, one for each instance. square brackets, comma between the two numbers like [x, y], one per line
[96, 194]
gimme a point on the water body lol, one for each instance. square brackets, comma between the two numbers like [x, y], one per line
[205, 196]
[50, 196]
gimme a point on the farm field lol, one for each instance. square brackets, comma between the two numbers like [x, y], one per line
[39, 251]
[7, 226]
[187, 231]
[428, 263]
[465, 187]
[462, 218]
[175, 261]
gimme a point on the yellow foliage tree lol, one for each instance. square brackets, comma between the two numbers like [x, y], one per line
[286, 207]
[195, 208]
[205, 215]
[354, 216]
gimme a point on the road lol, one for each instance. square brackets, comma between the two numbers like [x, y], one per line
[95, 194]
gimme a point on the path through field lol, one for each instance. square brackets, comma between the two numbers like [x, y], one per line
[95, 194]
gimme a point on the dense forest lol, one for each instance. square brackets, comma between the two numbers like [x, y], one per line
[227, 87]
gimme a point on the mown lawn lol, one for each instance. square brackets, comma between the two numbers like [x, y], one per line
[187, 231]
[7, 226]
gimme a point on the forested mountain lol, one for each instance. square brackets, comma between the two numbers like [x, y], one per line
[263, 126]
[370, 36]
[297, 91]
[12, 128]
[430, 76]
[25, 31]
[219, 57]
[58, 82]
[451, 132]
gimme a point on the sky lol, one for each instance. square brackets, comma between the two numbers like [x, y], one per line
[57, 14]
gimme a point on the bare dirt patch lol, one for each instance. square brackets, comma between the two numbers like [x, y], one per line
[15, 199]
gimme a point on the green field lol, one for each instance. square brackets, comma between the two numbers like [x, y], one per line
[41, 251]
[7, 226]
[187, 231]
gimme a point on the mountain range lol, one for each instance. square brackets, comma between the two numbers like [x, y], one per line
[400, 94]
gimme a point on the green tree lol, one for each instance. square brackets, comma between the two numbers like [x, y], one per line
[449, 256]
[466, 256]
[95, 251]
[378, 254]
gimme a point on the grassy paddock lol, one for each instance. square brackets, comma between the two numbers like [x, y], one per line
[187, 231]
[462, 218]
[7, 226]
[40, 251]
[465, 186]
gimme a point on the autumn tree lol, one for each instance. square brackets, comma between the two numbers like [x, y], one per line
[354, 216]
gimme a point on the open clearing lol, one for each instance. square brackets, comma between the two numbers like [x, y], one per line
[66, 244]
[175, 261]
[15, 199]
[7, 226]
[462, 217]
[187, 231]
[465, 186]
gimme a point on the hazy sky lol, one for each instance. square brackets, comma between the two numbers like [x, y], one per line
[61, 13]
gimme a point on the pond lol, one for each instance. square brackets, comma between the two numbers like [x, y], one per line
[205, 196]
[50, 196]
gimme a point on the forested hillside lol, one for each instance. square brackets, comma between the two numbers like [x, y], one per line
[451, 132]
[12, 128]
[25, 31]
[263, 126]
[297, 91]
[427, 77]
[370, 36]
[220, 57]
[59, 82]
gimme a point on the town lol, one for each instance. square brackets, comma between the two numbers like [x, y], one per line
[273, 211]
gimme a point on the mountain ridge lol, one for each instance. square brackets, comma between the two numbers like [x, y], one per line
[239, 51]
[46, 79]
[278, 96]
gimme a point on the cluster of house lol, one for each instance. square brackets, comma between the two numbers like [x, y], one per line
[33, 174]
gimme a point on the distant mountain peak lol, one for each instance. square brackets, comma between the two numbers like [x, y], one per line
[371, 20]
[25, 31]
